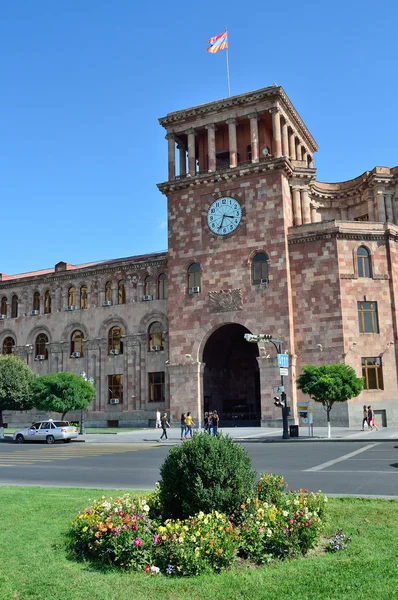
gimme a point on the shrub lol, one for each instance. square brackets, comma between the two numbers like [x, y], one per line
[115, 531]
[205, 474]
[204, 544]
[271, 488]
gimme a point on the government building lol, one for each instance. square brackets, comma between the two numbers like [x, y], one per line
[256, 244]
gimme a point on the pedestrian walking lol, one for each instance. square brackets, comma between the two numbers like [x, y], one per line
[364, 417]
[188, 425]
[158, 423]
[371, 419]
[206, 422]
[182, 422]
[214, 422]
[164, 424]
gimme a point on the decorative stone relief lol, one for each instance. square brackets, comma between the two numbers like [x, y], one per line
[226, 300]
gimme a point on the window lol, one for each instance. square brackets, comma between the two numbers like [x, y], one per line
[3, 308]
[249, 152]
[36, 301]
[40, 346]
[14, 307]
[115, 388]
[194, 276]
[363, 262]
[367, 317]
[72, 296]
[115, 344]
[155, 336]
[121, 292]
[83, 297]
[162, 287]
[260, 267]
[8, 345]
[76, 342]
[108, 291]
[222, 159]
[373, 373]
[156, 387]
[47, 303]
[148, 286]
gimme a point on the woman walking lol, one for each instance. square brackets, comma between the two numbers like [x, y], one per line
[188, 425]
[364, 417]
[164, 423]
[371, 419]
[182, 423]
[206, 422]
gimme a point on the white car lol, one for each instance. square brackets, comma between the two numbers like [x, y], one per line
[47, 431]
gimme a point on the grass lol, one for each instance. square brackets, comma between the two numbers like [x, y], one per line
[35, 565]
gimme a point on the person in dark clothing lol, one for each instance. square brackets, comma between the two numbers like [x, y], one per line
[214, 422]
[164, 423]
[206, 422]
[182, 425]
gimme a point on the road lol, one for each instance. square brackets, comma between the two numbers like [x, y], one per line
[347, 467]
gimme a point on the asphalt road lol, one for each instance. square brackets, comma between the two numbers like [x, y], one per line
[358, 468]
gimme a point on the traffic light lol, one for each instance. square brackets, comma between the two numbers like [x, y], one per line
[279, 401]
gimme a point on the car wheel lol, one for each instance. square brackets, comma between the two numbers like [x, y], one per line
[20, 438]
[50, 439]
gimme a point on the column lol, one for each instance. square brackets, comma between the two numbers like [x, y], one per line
[297, 220]
[379, 205]
[298, 150]
[285, 139]
[183, 159]
[211, 146]
[292, 145]
[388, 202]
[305, 207]
[304, 156]
[233, 150]
[344, 213]
[114, 294]
[314, 214]
[191, 152]
[171, 156]
[276, 129]
[254, 136]
[395, 206]
[371, 206]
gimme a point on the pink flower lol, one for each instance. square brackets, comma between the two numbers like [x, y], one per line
[156, 538]
[137, 542]
[307, 524]
[291, 521]
[134, 527]
[260, 530]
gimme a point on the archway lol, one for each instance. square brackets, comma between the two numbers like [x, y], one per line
[231, 379]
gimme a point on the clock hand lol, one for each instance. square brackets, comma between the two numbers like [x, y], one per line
[222, 221]
[229, 216]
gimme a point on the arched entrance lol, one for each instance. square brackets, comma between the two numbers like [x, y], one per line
[231, 379]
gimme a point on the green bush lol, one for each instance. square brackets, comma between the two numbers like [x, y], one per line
[205, 474]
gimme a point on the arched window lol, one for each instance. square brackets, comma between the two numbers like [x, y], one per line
[72, 296]
[41, 346]
[194, 278]
[36, 301]
[115, 344]
[8, 345]
[121, 292]
[47, 303]
[108, 291]
[260, 268]
[155, 337]
[363, 262]
[83, 297]
[76, 342]
[3, 308]
[148, 286]
[162, 286]
[14, 307]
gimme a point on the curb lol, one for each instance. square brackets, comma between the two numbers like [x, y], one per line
[314, 439]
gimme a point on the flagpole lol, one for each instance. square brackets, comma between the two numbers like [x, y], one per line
[226, 55]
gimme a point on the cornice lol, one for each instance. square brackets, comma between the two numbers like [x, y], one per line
[348, 230]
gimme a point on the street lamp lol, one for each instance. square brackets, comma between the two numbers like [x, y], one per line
[282, 401]
[83, 375]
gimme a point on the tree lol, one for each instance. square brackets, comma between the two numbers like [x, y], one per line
[62, 392]
[328, 384]
[15, 386]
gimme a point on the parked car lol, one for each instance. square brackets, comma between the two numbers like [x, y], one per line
[47, 431]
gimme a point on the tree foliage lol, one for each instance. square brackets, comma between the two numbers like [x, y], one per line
[62, 392]
[15, 385]
[328, 384]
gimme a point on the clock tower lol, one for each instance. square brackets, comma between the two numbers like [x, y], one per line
[238, 177]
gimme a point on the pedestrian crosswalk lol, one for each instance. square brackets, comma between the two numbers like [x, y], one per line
[47, 454]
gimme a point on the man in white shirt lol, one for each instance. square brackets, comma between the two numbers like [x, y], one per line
[158, 424]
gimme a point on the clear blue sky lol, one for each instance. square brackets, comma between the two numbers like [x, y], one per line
[83, 83]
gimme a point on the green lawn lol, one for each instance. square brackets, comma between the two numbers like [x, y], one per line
[34, 564]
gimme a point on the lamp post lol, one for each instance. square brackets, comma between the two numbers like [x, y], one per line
[83, 375]
[282, 402]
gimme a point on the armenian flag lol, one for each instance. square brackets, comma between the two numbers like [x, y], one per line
[219, 42]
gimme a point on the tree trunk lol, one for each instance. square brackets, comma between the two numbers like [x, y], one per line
[63, 415]
[328, 419]
[1, 426]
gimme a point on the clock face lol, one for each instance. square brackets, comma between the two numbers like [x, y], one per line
[224, 215]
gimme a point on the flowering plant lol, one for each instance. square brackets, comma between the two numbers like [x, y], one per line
[338, 542]
[115, 530]
[271, 488]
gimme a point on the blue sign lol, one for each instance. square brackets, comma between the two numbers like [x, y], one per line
[283, 360]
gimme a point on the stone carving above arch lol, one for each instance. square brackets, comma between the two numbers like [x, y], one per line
[112, 321]
[226, 300]
[7, 333]
[35, 332]
[69, 329]
[152, 317]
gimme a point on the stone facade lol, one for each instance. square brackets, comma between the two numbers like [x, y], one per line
[301, 256]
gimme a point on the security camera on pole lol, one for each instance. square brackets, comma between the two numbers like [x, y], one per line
[283, 362]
